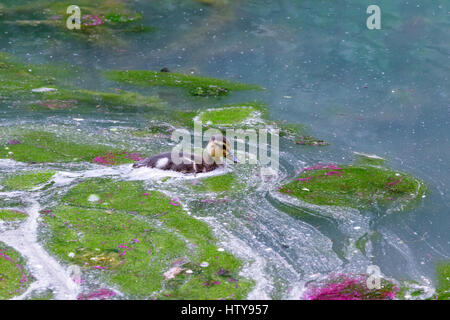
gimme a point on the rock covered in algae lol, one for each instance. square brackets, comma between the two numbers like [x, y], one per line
[41, 146]
[355, 186]
[26, 181]
[241, 115]
[195, 85]
[14, 278]
[349, 287]
[133, 238]
[443, 278]
[11, 215]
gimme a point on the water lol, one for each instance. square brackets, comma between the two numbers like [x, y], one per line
[382, 92]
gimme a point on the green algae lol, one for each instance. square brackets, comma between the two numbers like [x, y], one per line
[222, 183]
[134, 237]
[41, 146]
[241, 115]
[226, 116]
[19, 79]
[195, 85]
[11, 215]
[14, 278]
[27, 181]
[443, 278]
[358, 187]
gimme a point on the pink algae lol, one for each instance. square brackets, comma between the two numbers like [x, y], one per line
[14, 141]
[393, 183]
[343, 287]
[101, 294]
[92, 20]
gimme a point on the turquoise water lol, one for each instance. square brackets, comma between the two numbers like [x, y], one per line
[383, 92]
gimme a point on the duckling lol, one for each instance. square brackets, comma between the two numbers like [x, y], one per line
[217, 149]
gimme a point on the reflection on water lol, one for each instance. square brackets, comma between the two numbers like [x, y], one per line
[382, 92]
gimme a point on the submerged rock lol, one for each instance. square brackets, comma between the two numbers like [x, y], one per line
[32, 89]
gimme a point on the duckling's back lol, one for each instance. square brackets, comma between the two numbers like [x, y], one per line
[189, 163]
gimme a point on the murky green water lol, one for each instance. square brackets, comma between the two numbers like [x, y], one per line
[382, 92]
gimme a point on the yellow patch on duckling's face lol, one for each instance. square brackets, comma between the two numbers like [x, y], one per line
[218, 149]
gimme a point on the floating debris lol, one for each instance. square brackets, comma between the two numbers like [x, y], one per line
[43, 89]
[172, 273]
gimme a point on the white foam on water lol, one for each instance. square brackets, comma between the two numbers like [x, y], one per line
[127, 172]
[44, 268]
[254, 268]
[371, 156]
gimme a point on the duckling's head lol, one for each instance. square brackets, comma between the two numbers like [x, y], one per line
[218, 148]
